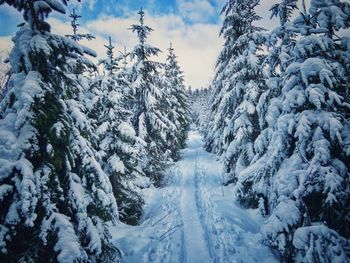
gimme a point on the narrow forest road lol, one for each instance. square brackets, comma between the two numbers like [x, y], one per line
[193, 218]
[195, 245]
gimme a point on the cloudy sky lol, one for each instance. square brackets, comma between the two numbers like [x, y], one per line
[191, 25]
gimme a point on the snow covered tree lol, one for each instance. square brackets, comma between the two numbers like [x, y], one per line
[178, 108]
[74, 23]
[233, 27]
[55, 198]
[79, 65]
[237, 16]
[125, 55]
[279, 43]
[110, 63]
[305, 164]
[237, 88]
[242, 127]
[117, 142]
[150, 120]
[4, 73]
[201, 108]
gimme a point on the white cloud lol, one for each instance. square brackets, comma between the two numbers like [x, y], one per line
[78, 5]
[91, 3]
[196, 10]
[263, 10]
[5, 44]
[59, 27]
[197, 45]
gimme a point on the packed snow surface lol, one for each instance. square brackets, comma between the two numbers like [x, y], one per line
[193, 218]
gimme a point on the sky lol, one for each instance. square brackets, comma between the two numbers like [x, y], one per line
[192, 26]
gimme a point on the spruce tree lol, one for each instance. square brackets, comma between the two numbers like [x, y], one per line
[237, 88]
[201, 109]
[110, 63]
[150, 120]
[4, 73]
[55, 197]
[238, 16]
[306, 159]
[232, 28]
[117, 142]
[79, 64]
[74, 23]
[252, 190]
[178, 108]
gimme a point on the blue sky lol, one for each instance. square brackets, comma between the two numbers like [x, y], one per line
[93, 9]
[191, 25]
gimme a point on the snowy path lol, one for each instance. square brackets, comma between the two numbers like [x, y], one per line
[195, 247]
[193, 218]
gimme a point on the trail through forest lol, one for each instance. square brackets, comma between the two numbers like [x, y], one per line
[193, 218]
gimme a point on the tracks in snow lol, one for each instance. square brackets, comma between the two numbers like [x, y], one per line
[195, 247]
[213, 228]
[193, 218]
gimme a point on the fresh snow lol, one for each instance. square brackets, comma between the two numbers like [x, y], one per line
[193, 218]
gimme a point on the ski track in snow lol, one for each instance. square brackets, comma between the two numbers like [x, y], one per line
[193, 218]
[195, 246]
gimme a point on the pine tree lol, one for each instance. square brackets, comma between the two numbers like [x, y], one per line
[74, 23]
[252, 190]
[178, 108]
[306, 160]
[237, 21]
[117, 142]
[55, 198]
[237, 88]
[125, 55]
[149, 119]
[4, 73]
[110, 63]
[80, 64]
[201, 109]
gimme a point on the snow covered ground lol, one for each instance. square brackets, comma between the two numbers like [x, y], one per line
[193, 218]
